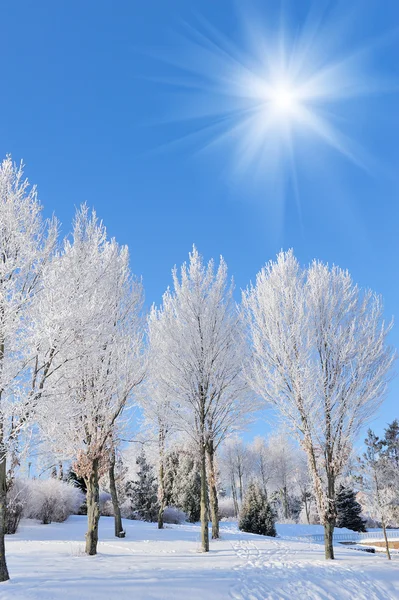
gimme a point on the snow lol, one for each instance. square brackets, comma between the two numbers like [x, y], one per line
[47, 562]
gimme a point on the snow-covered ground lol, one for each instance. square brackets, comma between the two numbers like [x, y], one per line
[47, 562]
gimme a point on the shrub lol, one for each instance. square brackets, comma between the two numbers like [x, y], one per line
[106, 508]
[17, 498]
[174, 515]
[256, 515]
[52, 500]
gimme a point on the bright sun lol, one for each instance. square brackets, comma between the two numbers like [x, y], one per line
[259, 98]
[284, 99]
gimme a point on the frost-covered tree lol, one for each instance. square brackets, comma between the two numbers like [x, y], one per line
[379, 483]
[283, 459]
[263, 468]
[256, 515]
[91, 313]
[196, 338]
[157, 406]
[349, 510]
[143, 491]
[26, 245]
[238, 466]
[303, 485]
[320, 358]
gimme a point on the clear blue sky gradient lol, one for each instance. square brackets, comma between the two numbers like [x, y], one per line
[85, 102]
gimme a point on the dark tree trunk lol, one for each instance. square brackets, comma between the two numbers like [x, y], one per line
[161, 478]
[213, 498]
[4, 576]
[119, 532]
[328, 539]
[384, 529]
[285, 497]
[204, 501]
[330, 516]
[93, 510]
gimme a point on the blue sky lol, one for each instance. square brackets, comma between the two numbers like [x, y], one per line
[115, 104]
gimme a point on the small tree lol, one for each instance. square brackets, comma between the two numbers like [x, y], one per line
[144, 491]
[348, 510]
[256, 514]
[186, 493]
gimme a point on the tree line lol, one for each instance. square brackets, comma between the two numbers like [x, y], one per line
[77, 353]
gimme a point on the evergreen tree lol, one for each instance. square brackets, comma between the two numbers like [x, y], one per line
[256, 514]
[187, 487]
[77, 481]
[391, 442]
[144, 491]
[348, 510]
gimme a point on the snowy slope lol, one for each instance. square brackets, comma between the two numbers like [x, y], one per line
[47, 562]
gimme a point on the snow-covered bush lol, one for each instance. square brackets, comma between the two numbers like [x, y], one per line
[226, 508]
[126, 509]
[17, 497]
[174, 515]
[52, 500]
[106, 508]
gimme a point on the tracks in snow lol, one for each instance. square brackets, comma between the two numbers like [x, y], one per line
[271, 570]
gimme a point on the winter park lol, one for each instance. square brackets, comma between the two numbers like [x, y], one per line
[199, 297]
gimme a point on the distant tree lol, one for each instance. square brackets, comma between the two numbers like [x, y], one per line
[261, 464]
[349, 510]
[379, 484]
[390, 443]
[320, 357]
[256, 515]
[143, 492]
[238, 462]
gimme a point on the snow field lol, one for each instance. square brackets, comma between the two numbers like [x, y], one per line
[47, 562]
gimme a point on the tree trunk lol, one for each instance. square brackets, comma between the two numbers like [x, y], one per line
[285, 502]
[384, 529]
[4, 576]
[307, 508]
[328, 539]
[93, 510]
[234, 494]
[161, 478]
[241, 487]
[204, 501]
[213, 498]
[119, 533]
